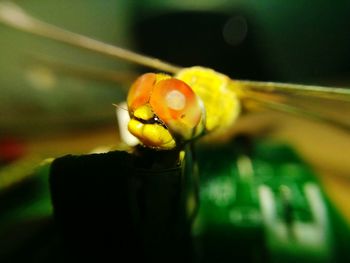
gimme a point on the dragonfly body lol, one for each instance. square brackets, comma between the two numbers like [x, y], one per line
[167, 112]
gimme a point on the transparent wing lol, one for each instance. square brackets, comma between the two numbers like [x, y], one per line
[123, 77]
[326, 104]
[331, 93]
[47, 88]
[12, 15]
[54, 99]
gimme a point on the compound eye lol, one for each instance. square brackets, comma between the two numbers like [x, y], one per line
[175, 103]
[140, 91]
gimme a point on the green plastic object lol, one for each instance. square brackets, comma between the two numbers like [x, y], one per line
[261, 203]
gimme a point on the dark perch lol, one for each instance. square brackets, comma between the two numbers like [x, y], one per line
[120, 206]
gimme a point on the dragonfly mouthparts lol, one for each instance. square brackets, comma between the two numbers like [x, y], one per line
[153, 120]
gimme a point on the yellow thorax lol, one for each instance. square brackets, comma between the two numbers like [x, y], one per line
[220, 100]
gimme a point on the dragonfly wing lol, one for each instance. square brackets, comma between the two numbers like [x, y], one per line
[325, 104]
[121, 77]
[337, 110]
[15, 17]
[341, 94]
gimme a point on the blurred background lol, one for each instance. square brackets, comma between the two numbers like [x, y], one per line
[56, 99]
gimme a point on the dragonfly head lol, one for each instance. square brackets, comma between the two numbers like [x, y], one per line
[164, 111]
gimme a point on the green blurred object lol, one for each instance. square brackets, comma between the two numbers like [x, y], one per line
[265, 206]
[27, 231]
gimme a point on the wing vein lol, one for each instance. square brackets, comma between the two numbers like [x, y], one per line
[342, 94]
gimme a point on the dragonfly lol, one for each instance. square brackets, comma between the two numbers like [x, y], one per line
[181, 105]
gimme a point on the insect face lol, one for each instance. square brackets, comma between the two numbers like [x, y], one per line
[164, 111]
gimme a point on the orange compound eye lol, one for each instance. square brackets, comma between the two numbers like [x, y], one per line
[175, 103]
[140, 91]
